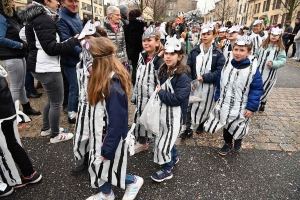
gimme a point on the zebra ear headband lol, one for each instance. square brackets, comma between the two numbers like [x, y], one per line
[243, 40]
[276, 31]
[234, 29]
[258, 21]
[206, 27]
[89, 29]
[172, 44]
[149, 32]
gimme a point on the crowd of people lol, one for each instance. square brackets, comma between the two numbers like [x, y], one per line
[93, 67]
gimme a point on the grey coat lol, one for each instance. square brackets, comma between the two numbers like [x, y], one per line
[117, 38]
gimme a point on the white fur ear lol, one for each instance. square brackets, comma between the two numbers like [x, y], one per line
[168, 37]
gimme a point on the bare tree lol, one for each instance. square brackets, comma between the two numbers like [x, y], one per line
[288, 7]
[158, 7]
[225, 9]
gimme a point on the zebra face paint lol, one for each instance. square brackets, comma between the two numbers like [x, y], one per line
[240, 52]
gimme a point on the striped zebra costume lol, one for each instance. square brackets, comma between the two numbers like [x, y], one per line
[82, 128]
[146, 81]
[9, 172]
[225, 47]
[256, 42]
[229, 109]
[169, 128]
[205, 91]
[269, 75]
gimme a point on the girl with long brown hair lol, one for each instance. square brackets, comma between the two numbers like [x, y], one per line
[271, 56]
[173, 91]
[108, 89]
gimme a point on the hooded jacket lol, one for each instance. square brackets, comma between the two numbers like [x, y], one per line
[43, 39]
[10, 42]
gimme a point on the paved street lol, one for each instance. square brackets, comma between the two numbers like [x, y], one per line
[267, 167]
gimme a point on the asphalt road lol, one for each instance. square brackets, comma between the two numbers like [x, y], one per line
[288, 76]
[200, 174]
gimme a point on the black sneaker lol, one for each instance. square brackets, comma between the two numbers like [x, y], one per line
[186, 134]
[225, 149]
[238, 145]
[5, 190]
[200, 129]
[80, 169]
[262, 108]
[72, 120]
[33, 178]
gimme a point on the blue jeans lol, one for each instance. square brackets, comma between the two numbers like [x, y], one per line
[106, 187]
[71, 75]
[168, 166]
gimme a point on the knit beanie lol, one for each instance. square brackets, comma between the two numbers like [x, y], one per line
[123, 9]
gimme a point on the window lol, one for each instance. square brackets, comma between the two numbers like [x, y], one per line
[245, 6]
[83, 6]
[258, 8]
[274, 3]
[268, 5]
[271, 19]
[275, 19]
[264, 7]
[278, 4]
[283, 19]
[298, 14]
[255, 8]
[170, 7]
[95, 9]
[240, 9]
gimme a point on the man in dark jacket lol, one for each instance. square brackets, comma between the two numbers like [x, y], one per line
[70, 25]
[291, 38]
[287, 31]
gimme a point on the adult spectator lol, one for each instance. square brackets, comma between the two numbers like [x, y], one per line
[163, 33]
[124, 18]
[287, 32]
[70, 25]
[85, 17]
[291, 38]
[135, 30]
[43, 61]
[113, 25]
[12, 54]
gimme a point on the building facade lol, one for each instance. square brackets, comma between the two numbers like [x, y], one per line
[92, 8]
[175, 6]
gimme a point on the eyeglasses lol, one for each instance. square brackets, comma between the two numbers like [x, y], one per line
[118, 15]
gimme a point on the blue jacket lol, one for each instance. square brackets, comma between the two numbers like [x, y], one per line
[117, 110]
[256, 86]
[70, 25]
[218, 62]
[182, 88]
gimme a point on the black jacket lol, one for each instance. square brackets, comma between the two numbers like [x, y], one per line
[7, 105]
[295, 31]
[42, 33]
[135, 30]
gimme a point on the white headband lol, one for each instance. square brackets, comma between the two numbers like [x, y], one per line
[234, 29]
[276, 31]
[258, 21]
[243, 40]
[206, 27]
[172, 44]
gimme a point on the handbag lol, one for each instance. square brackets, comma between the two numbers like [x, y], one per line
[150, 115]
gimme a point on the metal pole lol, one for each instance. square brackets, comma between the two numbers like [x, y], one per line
[92, 9]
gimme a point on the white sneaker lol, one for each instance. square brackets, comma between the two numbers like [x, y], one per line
[101, 196]
[294, 58]
[48, 132]
[61, 137]
[132, 189]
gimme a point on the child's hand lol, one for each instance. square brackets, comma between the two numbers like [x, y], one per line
[269, 63]
[158, 88]
[248, 113]
[102, 158]
[200, 79]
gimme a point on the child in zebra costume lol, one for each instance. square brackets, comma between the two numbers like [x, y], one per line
[258, 35]
[11, 151]
[173, 91]
[233, 34]
[239, 88]
[146, 80]
[271, 56]
[82, 129]
[204, 61]
[108, 89]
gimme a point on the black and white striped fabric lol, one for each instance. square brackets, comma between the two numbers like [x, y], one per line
[146, 80]
[112, 171]
[9, 172]
[229, 109]
[82, 128]
[169, 128]
[269, 75]
[256, 42]
[205, 91]
[226, 45]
